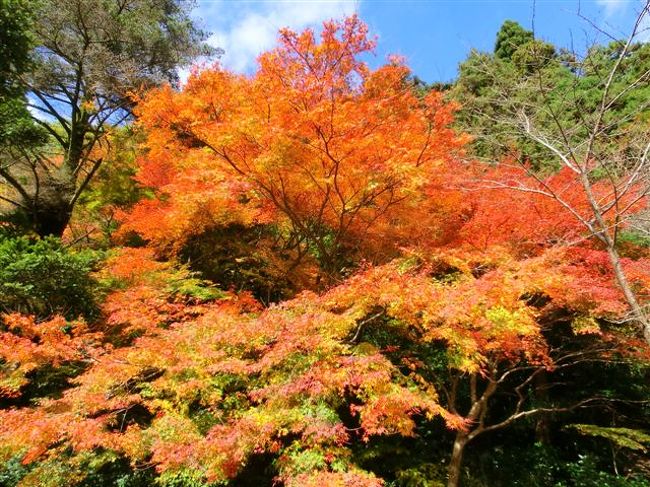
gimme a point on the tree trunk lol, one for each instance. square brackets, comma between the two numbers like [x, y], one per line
[456, 462]
[610, 242]
[51, 220]
[630, 297]
[51, 207]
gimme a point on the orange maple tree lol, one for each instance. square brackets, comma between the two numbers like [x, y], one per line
[334, 153]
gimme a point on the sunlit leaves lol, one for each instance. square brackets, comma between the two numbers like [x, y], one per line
[335, 154]
[26, 346]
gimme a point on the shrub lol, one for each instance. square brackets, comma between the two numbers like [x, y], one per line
[42, 277]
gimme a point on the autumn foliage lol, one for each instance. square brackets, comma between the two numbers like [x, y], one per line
[434, 276]
[336, 155]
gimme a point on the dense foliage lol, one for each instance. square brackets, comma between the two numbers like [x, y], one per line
[306, 279]
[44, 278]
[557, 87]
[88, 60]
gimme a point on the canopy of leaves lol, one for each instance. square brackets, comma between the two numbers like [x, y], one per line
[622, 437]
[16, 42]
[89, 59]
[510, 38]
[17, 128]
[557, 89]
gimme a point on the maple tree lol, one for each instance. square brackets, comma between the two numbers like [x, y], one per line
[332, 152]
[277, 382]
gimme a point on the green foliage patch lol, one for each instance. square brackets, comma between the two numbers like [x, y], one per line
[43, 277]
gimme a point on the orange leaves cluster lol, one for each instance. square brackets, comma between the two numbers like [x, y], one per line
[149, 293]
[481, 306]
[315, 142]
[196, 198]
[275, 381]
[26, 346]
[165, 373]
[335, 479]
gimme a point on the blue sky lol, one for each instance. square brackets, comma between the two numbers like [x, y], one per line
[433, 35]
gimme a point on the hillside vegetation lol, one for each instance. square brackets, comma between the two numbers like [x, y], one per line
[322, 273]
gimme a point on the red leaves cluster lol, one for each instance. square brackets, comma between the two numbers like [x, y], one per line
[511, 205]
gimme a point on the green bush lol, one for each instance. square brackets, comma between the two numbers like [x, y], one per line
[584, 473]
[42, 277]
[12, 471]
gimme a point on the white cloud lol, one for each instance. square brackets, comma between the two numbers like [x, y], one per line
[245, 29]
